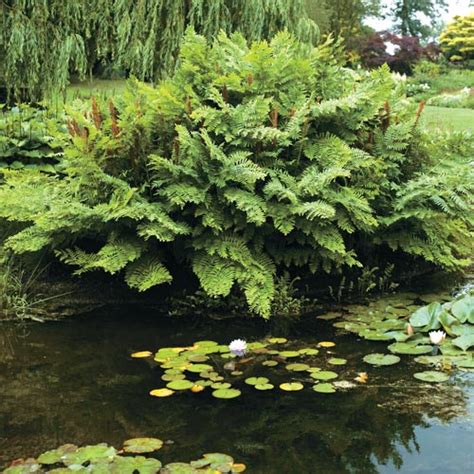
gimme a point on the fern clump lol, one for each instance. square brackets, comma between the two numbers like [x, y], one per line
[247, 162]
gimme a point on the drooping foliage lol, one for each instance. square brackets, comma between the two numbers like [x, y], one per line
[457, 39]
[248, 161]
[43, 42]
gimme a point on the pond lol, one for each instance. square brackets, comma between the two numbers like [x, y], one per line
[75, 382]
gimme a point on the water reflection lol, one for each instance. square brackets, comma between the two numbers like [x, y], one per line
[74, 381]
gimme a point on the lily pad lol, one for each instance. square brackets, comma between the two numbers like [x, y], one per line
[324, 388]
[264, 386]
[54, 456]
[256, 381]
[323, 375]
[219, 385]
[291, 386]
[270, 363]
[179, 468]
[464, 342]
[308, 351]
[226, 393]
[337, 361]
[131, 464]
[161, 392]
[92, 454]
[407, 348]
[180, 385]
[198, 368]
[171, 377]
[289, 354]
[277, 340]
[381, 359]
[142, 445]
[141, 354]
[463, 309]
[297, 367]
[326, 344]
[431, 376]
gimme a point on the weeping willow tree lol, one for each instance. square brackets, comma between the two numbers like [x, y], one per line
[43, 42]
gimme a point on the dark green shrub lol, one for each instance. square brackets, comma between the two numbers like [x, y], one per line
[246, 162]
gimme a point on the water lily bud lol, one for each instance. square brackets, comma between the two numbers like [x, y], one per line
[238, 347]
[410, 330]
[437, 337]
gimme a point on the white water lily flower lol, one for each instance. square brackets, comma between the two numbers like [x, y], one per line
[437, 337]
[238, 347]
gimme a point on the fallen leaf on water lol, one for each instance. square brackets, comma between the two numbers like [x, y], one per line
[141, 354]
[362, 377]
[161, 392]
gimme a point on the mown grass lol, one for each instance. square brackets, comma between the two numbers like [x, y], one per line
[448, 118]
[433, 117]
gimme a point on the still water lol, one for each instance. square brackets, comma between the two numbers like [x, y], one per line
[74, 381]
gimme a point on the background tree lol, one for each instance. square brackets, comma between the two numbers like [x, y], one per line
[406, 16]
[43, 43]
[457, 39]
[342, 17]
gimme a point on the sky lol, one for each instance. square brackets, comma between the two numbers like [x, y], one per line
[456, 7]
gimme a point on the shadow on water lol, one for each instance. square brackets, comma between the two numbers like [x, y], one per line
[75, 382]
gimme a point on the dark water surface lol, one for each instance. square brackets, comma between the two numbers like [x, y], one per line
[74, 381]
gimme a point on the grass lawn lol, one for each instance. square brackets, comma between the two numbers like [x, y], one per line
[448, 118]
[433, 117]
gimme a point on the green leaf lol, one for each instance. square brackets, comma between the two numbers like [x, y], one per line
[381, 359]
[142, 445]
[256, 380]
[427, 317]
[463, 309]
[324, 388]
[323, 375]
[431, 376]
[226, 393]
[407, 348]
[464, 342]
[180, 385]
[291, 386]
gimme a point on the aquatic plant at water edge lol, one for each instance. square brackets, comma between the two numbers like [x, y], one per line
[249, 161]
[104, 458]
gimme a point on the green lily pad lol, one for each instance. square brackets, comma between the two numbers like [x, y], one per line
[427, 317]
[171, 377]
[464, 342]
[270, 363]
[465, 362]
[256, 380]
[292, 386]
[226, 393]
[264, 386]
[381, 359]
[206, 343]
[323, 375]
[179, 468]
[407, 348]
[329, 316]
[428, 360]
[277, 340]
[198, 368]
[142, 445]
[308, 351]
[337, 361]
[219, 385]
[237, 373]
[289, 354]
[198, 358]
[375, 335]
[92, 454]
[463, 309]
[431, 376]
[324, 388]
[132, 464]
[54, 456]
[297, 367]
[180, 385]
